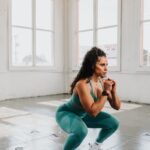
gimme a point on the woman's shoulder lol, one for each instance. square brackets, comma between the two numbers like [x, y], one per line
[82, 83]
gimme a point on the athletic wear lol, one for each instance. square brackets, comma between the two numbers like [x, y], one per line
[73, 119]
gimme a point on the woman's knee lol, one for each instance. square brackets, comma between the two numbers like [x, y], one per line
[114, 123]
[111, 123]
[81, 134]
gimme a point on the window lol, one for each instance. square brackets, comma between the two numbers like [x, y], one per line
[99, 26]
[145, 32]
[32, 33]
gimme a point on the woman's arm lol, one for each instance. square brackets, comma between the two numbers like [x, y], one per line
[93, 108]
[113, 98]
[114, 101]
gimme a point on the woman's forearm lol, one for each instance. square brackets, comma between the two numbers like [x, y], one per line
[116, 101]
[98, 106]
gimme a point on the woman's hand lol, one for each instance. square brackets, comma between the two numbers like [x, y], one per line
[113, 85]
[108, 84]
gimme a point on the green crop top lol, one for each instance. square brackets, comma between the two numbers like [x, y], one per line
[75, 105]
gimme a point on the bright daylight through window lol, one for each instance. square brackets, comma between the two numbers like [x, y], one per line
[98, 25]
[32, 34]
[145, 32]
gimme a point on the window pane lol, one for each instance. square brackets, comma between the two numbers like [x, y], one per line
[22, 12]
[85, 14]
[146, 9]
[107, 40]
[85, 44]
[146, 44]
[21, 47]
[44, 14]
[107, 12]
[44, 48]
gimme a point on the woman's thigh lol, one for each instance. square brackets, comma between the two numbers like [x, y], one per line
[70, 122]
[102, 120]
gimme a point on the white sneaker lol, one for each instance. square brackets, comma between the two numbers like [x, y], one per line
[94, 147]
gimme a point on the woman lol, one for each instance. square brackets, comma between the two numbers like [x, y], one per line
[89, 92]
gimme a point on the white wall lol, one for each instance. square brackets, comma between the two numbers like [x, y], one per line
[15, 84]
[132, 84]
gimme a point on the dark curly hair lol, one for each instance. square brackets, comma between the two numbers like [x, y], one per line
[88, 65]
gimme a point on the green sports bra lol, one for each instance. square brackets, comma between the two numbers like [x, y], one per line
[75, 105]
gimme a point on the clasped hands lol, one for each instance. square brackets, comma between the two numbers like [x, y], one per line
[109, 85]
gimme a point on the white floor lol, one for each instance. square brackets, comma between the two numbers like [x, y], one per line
[29, 124]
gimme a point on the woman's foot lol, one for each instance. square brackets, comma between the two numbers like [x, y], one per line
[95, 146]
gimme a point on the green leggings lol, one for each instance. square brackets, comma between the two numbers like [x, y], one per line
[77, 127]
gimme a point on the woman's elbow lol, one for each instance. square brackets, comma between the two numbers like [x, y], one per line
[93, 113]
[118, 107]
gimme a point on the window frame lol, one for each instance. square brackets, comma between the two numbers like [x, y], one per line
[75, 51]
[141, 21]
[33, 30]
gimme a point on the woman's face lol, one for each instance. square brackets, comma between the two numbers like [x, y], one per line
[101, 67]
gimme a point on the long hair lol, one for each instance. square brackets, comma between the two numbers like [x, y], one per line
[88, 65]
